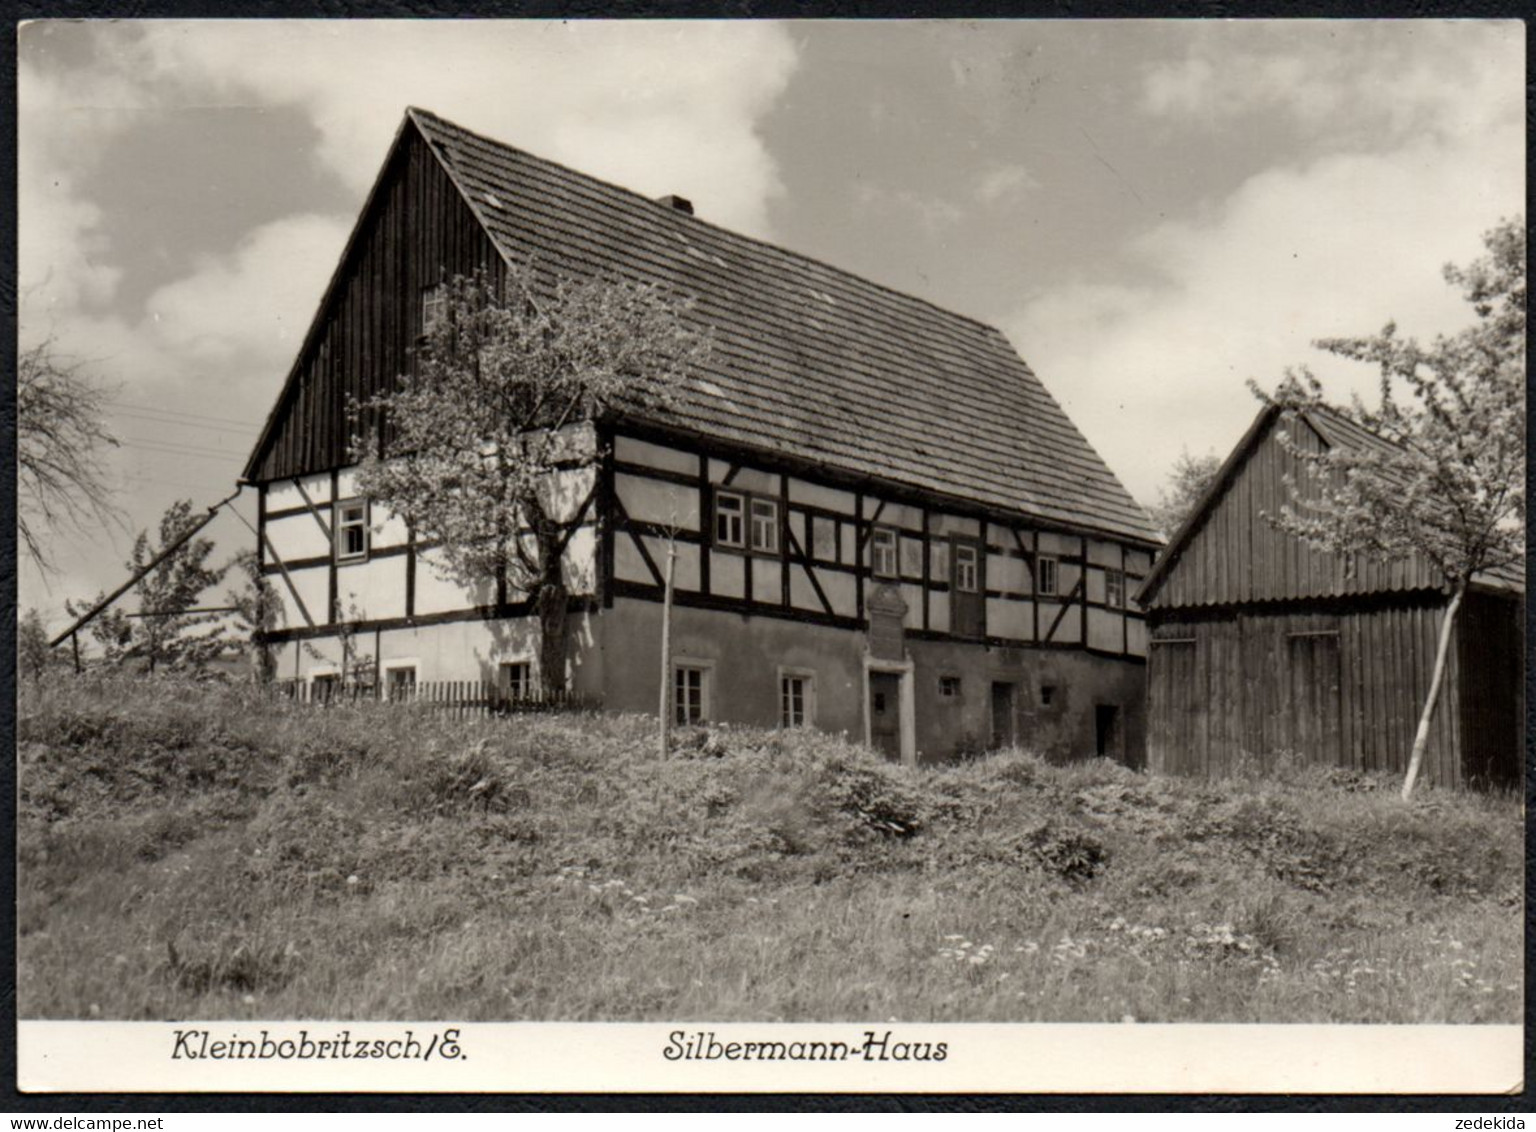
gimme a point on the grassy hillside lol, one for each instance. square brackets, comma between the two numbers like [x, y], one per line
[191, 851]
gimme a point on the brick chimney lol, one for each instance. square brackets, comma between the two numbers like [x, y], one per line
[680, 204]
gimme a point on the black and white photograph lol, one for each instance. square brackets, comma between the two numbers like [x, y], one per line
[720, 524]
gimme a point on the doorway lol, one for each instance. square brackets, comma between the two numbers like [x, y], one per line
[1106, 726]
[885, 713]
[1002, 716]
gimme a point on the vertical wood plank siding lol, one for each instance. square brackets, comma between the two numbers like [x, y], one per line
[420, 232]
[1237, 556]
[1343, 689]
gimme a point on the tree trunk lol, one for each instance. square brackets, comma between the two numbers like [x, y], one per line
[553, 623]
[665, 711]
[1421, 739]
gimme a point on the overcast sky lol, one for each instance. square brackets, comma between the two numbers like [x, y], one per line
[1153, 212]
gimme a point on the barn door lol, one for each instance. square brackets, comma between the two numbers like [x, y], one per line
[1173, 706]
[1314, 695]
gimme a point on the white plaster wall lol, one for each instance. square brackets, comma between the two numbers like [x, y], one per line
[650, 501]
[654, 455]
[298, 536]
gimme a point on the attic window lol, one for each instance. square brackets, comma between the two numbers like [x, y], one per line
[434, 306]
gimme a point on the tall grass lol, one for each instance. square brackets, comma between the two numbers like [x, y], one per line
[199, 851]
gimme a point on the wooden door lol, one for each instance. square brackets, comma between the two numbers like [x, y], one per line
[1002, 716]
[965, 588]
[1314, 695]
[885, 714]
[1173, 741]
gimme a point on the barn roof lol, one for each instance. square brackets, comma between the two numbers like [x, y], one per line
[808, 360]
[1334, 431]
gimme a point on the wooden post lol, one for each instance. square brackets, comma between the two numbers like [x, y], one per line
[1421, 740]
[74, 640]
[665, 711]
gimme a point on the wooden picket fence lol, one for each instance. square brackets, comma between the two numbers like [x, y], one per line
[455, 699]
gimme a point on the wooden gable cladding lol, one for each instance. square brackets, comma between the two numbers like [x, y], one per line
[1230, 554]
[415, 231]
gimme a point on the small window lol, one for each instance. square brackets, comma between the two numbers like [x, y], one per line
[966, 559]
[434, 306]
[1047, 693]
[1045, 576]
[351, 530]
[949, 687]
[689, 689]
[728, 519]
[517, 679]
[795, 695]
[324, 687]
[1114, 588]
[400, 682]
[882, 555]
[765, 526]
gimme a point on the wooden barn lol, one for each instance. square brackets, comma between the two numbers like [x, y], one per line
[1262, 647]
[885, 525]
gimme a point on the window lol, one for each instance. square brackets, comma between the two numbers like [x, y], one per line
[1047, 693]
[1114, 588]
[797, 698]
[728, 519]
[690, 694]
[1045, 575]
[765, 526]
[399, 681]
[949, 687]
[966, 559]
[517, 679]
[882, 555]
[351, 529]
[746, 522]
[434, 306]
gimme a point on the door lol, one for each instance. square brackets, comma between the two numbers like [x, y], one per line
[965, 596]
[1314, 700]
[1106, 727]
[885, 713]
[1002, 716]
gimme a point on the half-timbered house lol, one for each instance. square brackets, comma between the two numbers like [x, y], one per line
[1263, 647]
[884, 524]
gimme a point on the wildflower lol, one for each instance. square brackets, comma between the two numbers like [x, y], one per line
[352, 880]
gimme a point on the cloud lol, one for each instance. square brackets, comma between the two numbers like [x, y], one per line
[1003, 182]
[664, 106]
[251, 307]
[1375, 81]
[1154, 358]
[933, 213]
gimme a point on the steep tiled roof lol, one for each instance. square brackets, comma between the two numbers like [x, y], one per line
[808, 360]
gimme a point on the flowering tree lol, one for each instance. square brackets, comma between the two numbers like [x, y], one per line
[1441, 473]
[479, 430]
